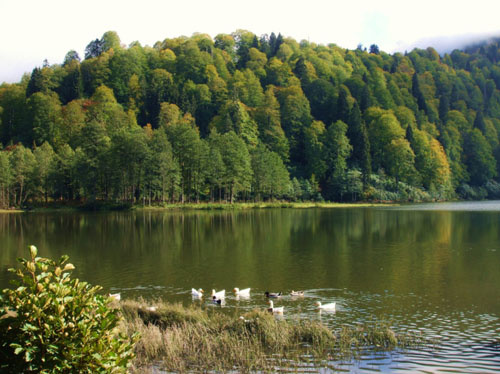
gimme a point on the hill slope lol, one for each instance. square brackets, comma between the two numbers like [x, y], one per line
[242, 116]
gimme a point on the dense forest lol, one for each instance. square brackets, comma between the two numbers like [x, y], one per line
[247, 117]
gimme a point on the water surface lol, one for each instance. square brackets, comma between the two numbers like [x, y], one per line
[433, 268]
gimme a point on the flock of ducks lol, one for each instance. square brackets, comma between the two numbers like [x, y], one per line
[218, 298]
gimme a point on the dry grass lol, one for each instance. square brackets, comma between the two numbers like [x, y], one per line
[180, 339]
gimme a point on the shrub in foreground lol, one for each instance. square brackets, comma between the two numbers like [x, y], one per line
[51, 323]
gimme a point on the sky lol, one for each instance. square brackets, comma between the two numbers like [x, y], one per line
[33, 30]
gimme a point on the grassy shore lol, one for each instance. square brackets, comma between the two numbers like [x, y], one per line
[11, 211]
[111, 206]
[180, 339]
[257, 205]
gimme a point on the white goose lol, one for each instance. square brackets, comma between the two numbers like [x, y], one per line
[115, 296]
[197, 293]
[330, 306]
[272, 309]
[218, 295]
[244, 292]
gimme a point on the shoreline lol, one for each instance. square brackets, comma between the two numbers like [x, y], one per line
[108, 207]
[2, 211]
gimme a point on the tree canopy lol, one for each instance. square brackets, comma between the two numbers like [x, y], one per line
[243, 116]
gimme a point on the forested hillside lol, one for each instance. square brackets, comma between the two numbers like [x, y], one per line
[247, 117]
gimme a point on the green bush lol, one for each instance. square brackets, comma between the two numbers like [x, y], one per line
[51, 323]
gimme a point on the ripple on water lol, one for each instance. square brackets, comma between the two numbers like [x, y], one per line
[461, 341]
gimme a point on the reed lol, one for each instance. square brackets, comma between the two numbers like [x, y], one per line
[177, 338]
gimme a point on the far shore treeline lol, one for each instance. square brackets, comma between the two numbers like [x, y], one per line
[243, 117]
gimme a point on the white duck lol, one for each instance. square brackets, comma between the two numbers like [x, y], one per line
[244, 292]
[115, 296]
[297, 293]
[218, 295]
[197, 293]
[330, 306]
[272, 309]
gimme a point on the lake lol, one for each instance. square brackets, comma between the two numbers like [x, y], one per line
[433, 268]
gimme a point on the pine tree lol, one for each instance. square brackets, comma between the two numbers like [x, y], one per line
[358, 136]
[36, 83]
[479, 122]
[366, 98]
[444, 107]
[343, 105]
[417, 93]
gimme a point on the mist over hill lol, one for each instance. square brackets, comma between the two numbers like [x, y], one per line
[448, 43]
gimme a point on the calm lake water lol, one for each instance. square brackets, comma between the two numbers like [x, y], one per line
[433, 268]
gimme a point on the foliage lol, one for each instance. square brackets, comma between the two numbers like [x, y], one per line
[431, 122]
[51, 323]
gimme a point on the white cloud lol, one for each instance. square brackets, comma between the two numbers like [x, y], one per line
[34, 30]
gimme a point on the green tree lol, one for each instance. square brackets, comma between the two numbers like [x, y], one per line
[15, 127]
[237, 162]
[95, 72]
[234, 117]
[44, 159]
[479, 159]
[123, 65]
[400, 160]
[314, 149]
[22, 164]
[453, 144]
[295, 117]
[268, 119]
[322, 97]
[270, 176]
[185, 139]
[92, 164]
[106, 111]
[129, 153]
[63, 173]
[343, 107]
[216, 170]
[479, 122]
[383, 128]
[417, 93]
[358, 138]
[71, 87]
[5, 179]
[110, 40]
[73, 120]
[337, 149]
[45, 117]
[162, 175]
[37, 83]
[70, 57]
[160, 89]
